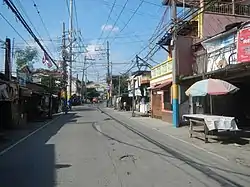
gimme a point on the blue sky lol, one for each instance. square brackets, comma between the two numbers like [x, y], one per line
[91, 15]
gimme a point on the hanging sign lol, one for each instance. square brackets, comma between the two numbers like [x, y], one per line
[243, 45]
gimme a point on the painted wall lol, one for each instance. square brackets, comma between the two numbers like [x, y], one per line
[184, 54]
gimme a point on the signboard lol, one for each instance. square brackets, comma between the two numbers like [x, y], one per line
[243, 45]
[220, 52]
[219, 43]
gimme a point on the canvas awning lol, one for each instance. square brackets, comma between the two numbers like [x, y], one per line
[161, 86]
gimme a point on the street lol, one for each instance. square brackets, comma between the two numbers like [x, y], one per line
[89, 148]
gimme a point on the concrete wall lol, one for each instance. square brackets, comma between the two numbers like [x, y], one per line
[167, 116]
[184, 54]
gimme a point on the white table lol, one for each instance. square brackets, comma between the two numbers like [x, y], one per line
[210, 122]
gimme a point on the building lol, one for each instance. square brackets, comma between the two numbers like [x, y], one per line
[205, 19]
[76, 87]
[212, 17]
[161, 80]
[138, 84]
[225, 56]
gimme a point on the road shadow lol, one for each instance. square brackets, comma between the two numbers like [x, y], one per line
[32, 162]
[241, 137]
[208, 171]
[83, 109]
[163, 155]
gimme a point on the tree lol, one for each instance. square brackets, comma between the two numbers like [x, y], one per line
[123, 84]
[51, 83]
[26, 57]
[92, 92]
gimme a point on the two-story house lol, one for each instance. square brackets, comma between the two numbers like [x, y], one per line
[203, 20]
[219, 48]
[138, 84]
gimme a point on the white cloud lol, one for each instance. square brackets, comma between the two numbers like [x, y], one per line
[94, 50]
[110, 28]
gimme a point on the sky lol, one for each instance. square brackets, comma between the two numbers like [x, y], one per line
[90, 19]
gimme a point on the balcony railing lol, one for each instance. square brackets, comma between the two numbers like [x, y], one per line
[230, 9]
[208, 62]
[162, 69]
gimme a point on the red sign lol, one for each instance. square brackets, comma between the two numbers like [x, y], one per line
[243, 45]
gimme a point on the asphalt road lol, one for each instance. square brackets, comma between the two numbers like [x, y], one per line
[89, 148]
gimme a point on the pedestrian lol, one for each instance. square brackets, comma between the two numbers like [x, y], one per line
[124, 105]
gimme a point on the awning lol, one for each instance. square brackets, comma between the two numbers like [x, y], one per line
[161, 86]
[25, 92]
[3, 92]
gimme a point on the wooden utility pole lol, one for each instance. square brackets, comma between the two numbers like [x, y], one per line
[8, 59]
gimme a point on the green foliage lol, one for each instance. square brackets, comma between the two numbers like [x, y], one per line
[26, 56]
[91, 93]
[123, 84]
[50, 82]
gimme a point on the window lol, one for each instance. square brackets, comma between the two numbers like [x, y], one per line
[167, 99]
[195, 30]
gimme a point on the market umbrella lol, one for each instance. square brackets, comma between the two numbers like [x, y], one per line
[210, 87]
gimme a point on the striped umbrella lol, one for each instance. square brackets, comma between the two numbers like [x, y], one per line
[210, 87]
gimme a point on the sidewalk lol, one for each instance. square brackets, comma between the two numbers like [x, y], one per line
[236, 152]
[12, 136]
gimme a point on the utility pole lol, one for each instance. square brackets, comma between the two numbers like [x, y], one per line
[12, 53]
[98, 77]
[70, 47]
[83, 74]
[119, 85]
[111, 85]
[8, 59]
[133, 99]
[86, 75]
[108, 75]
[64, 69]
[175, 96]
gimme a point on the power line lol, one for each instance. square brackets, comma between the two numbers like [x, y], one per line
[32, 25]
[67, 4]
[109, 16]
[77, 26]
[26, 15]
[14, 29]
[131, 10]
[44, 26]
[13, 8]
[151, 3]
[180, 27]
[125, 4]
[137, 36]
[160, 22]
[154, 36]
[131, 17]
